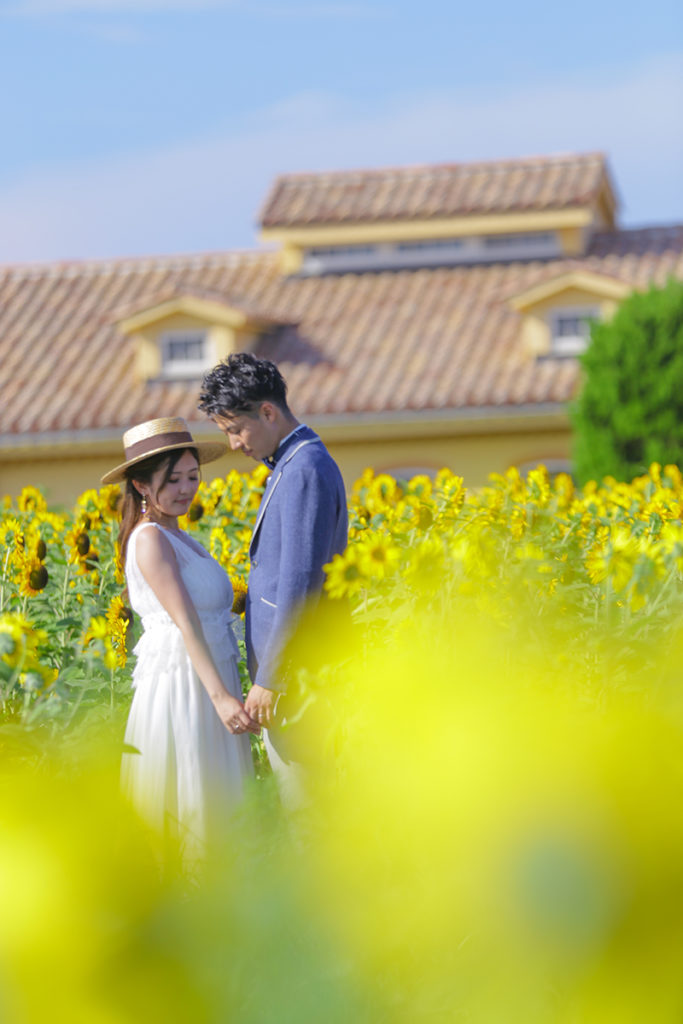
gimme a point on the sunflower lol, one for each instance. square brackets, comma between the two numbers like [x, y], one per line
[97, 630]
[345, 576]
[118, 612]
[19, 640]
[119, 574]
[378, 554]
[259, 475]
[78, 542]
[421, 486]
[12, 542]
[33, 576]
[109, 500]
[239, 594]
[31, 500]
[625, 552]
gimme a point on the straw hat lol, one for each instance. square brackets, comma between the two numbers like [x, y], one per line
[156, 436]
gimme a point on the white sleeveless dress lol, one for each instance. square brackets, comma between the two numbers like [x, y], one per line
[190, 771]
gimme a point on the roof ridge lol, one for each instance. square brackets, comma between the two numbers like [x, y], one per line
[407, 169]
[177, 290]
[121, 264]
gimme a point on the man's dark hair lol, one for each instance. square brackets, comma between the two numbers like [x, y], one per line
[239, 384]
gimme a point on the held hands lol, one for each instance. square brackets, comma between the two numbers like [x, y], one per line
[234, 716]
[259, 705]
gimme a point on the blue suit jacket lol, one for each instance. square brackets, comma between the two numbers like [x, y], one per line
[301, 524]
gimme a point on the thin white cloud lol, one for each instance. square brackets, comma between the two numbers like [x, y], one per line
[206, 194]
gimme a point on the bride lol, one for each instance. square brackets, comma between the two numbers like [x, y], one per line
[187, 719]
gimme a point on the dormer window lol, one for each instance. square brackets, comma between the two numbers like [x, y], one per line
[570, 330]
[186, 334]
[184, 354]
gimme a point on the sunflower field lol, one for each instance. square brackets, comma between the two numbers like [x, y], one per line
[492, 718]
[608, 559]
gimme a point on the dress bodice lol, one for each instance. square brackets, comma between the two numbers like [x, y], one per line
[207, 583]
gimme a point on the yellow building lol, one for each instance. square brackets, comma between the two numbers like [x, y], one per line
[422, 316]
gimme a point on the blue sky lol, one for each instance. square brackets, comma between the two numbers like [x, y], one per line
[141, 126]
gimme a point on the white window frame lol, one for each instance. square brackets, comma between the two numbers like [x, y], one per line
[430, 252]
[183, 369]
[570, 344]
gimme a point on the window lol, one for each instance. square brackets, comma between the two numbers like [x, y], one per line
[342, 250]
[570, 330]
[430, 244]
[430, 252]
[184, 353]
[532, 240]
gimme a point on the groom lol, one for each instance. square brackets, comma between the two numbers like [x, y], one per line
[301, 522]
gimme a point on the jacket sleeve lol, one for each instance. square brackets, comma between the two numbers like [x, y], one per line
[309, 516]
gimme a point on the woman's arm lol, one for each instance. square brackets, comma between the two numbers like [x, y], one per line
[157, 562]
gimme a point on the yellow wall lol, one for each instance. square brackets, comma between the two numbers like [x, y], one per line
[473, 456]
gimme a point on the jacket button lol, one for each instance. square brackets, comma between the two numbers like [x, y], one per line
[254, 563]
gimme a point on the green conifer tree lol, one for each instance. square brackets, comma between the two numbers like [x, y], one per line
[629, 412]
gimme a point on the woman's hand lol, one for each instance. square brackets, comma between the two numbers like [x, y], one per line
[233, 716]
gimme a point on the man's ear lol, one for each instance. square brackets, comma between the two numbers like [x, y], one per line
[268, 411]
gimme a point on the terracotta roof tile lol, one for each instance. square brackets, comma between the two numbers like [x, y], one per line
[430, 339]
[445, 190]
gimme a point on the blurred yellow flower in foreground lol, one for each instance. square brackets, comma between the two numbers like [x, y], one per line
[494, 838]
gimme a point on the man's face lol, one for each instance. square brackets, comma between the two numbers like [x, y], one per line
[256, 434]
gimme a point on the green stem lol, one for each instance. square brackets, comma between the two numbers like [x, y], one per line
[2, 582]
[666, 586]
[76, 705]
[64, 589]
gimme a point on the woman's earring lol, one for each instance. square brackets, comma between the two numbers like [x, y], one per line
[143, 504]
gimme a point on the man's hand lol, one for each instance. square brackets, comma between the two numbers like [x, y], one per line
[259, 705]
[234, 717]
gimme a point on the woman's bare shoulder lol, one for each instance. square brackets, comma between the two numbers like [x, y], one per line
[152, 546]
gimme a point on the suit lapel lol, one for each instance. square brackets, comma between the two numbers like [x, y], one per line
[272, 484]
[274, 481]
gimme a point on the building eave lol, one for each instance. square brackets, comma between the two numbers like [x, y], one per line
[489, 419]
[600, 285]
[75, 444]
[304, 236]
[335, 427]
